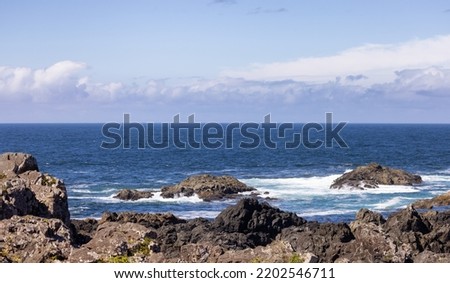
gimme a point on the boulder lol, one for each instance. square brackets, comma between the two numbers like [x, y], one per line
[440, 200]
[133, 195]
[250, 216]
[34, 239]
[207, 187]
[373, 175]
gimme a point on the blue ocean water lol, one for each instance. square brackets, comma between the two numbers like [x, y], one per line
[298, 179]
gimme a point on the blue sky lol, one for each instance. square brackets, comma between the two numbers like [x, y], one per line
[224, 60]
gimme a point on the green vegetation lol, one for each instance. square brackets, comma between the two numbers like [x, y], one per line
[118, 259]
[296, 258]
[48, 180]
[143, 248]
[257, 260]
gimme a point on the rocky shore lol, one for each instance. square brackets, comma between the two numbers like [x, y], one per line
[35, 226]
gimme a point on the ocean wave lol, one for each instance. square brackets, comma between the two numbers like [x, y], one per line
[326, 212]
[197, 214]
[295, 188]
[156, 198]
[435, 178]
[395, 202]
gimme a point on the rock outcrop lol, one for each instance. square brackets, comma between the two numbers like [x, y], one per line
[17, 163]
[440, 200]
[34, 239]
[373, 175]
[26, 191]
[133, 195]
[207, 187]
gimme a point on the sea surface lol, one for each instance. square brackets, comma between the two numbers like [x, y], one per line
[297, 179]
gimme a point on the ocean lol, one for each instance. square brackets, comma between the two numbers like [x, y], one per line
[297, 179]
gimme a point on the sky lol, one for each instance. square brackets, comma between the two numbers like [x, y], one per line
[224, 60]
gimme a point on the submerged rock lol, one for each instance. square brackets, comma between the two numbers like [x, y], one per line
[373, 175]
[207, 187]
[133, 195]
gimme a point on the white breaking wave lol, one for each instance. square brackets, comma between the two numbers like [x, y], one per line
[196, 214]
[392, 203]
[435, 178]
[156, 198]
[299, 188]
[325, 212]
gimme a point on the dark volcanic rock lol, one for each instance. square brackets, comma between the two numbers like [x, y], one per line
[440, 200]
[372, 175]
[325, 240]
[249, 216]
[133, 195]
[206, 187]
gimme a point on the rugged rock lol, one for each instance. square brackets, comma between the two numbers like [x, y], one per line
[32, 193]
[133, 195]
[275, 252]
[440, 200]
[17, 163]
[371, 244]
[406, 220]
[34, 239]
[430, 257]
[83, 230]
[206, 187]
[372, 175]
[16, 198]
[325, 240]
[117, 242]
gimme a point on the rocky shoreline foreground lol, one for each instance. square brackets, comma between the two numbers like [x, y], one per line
[35, 226]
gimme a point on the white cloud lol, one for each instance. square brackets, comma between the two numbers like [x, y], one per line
[56, 81]
[346, 84]
[377, 62]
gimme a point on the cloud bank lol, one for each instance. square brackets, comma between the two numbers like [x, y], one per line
[397, 83]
